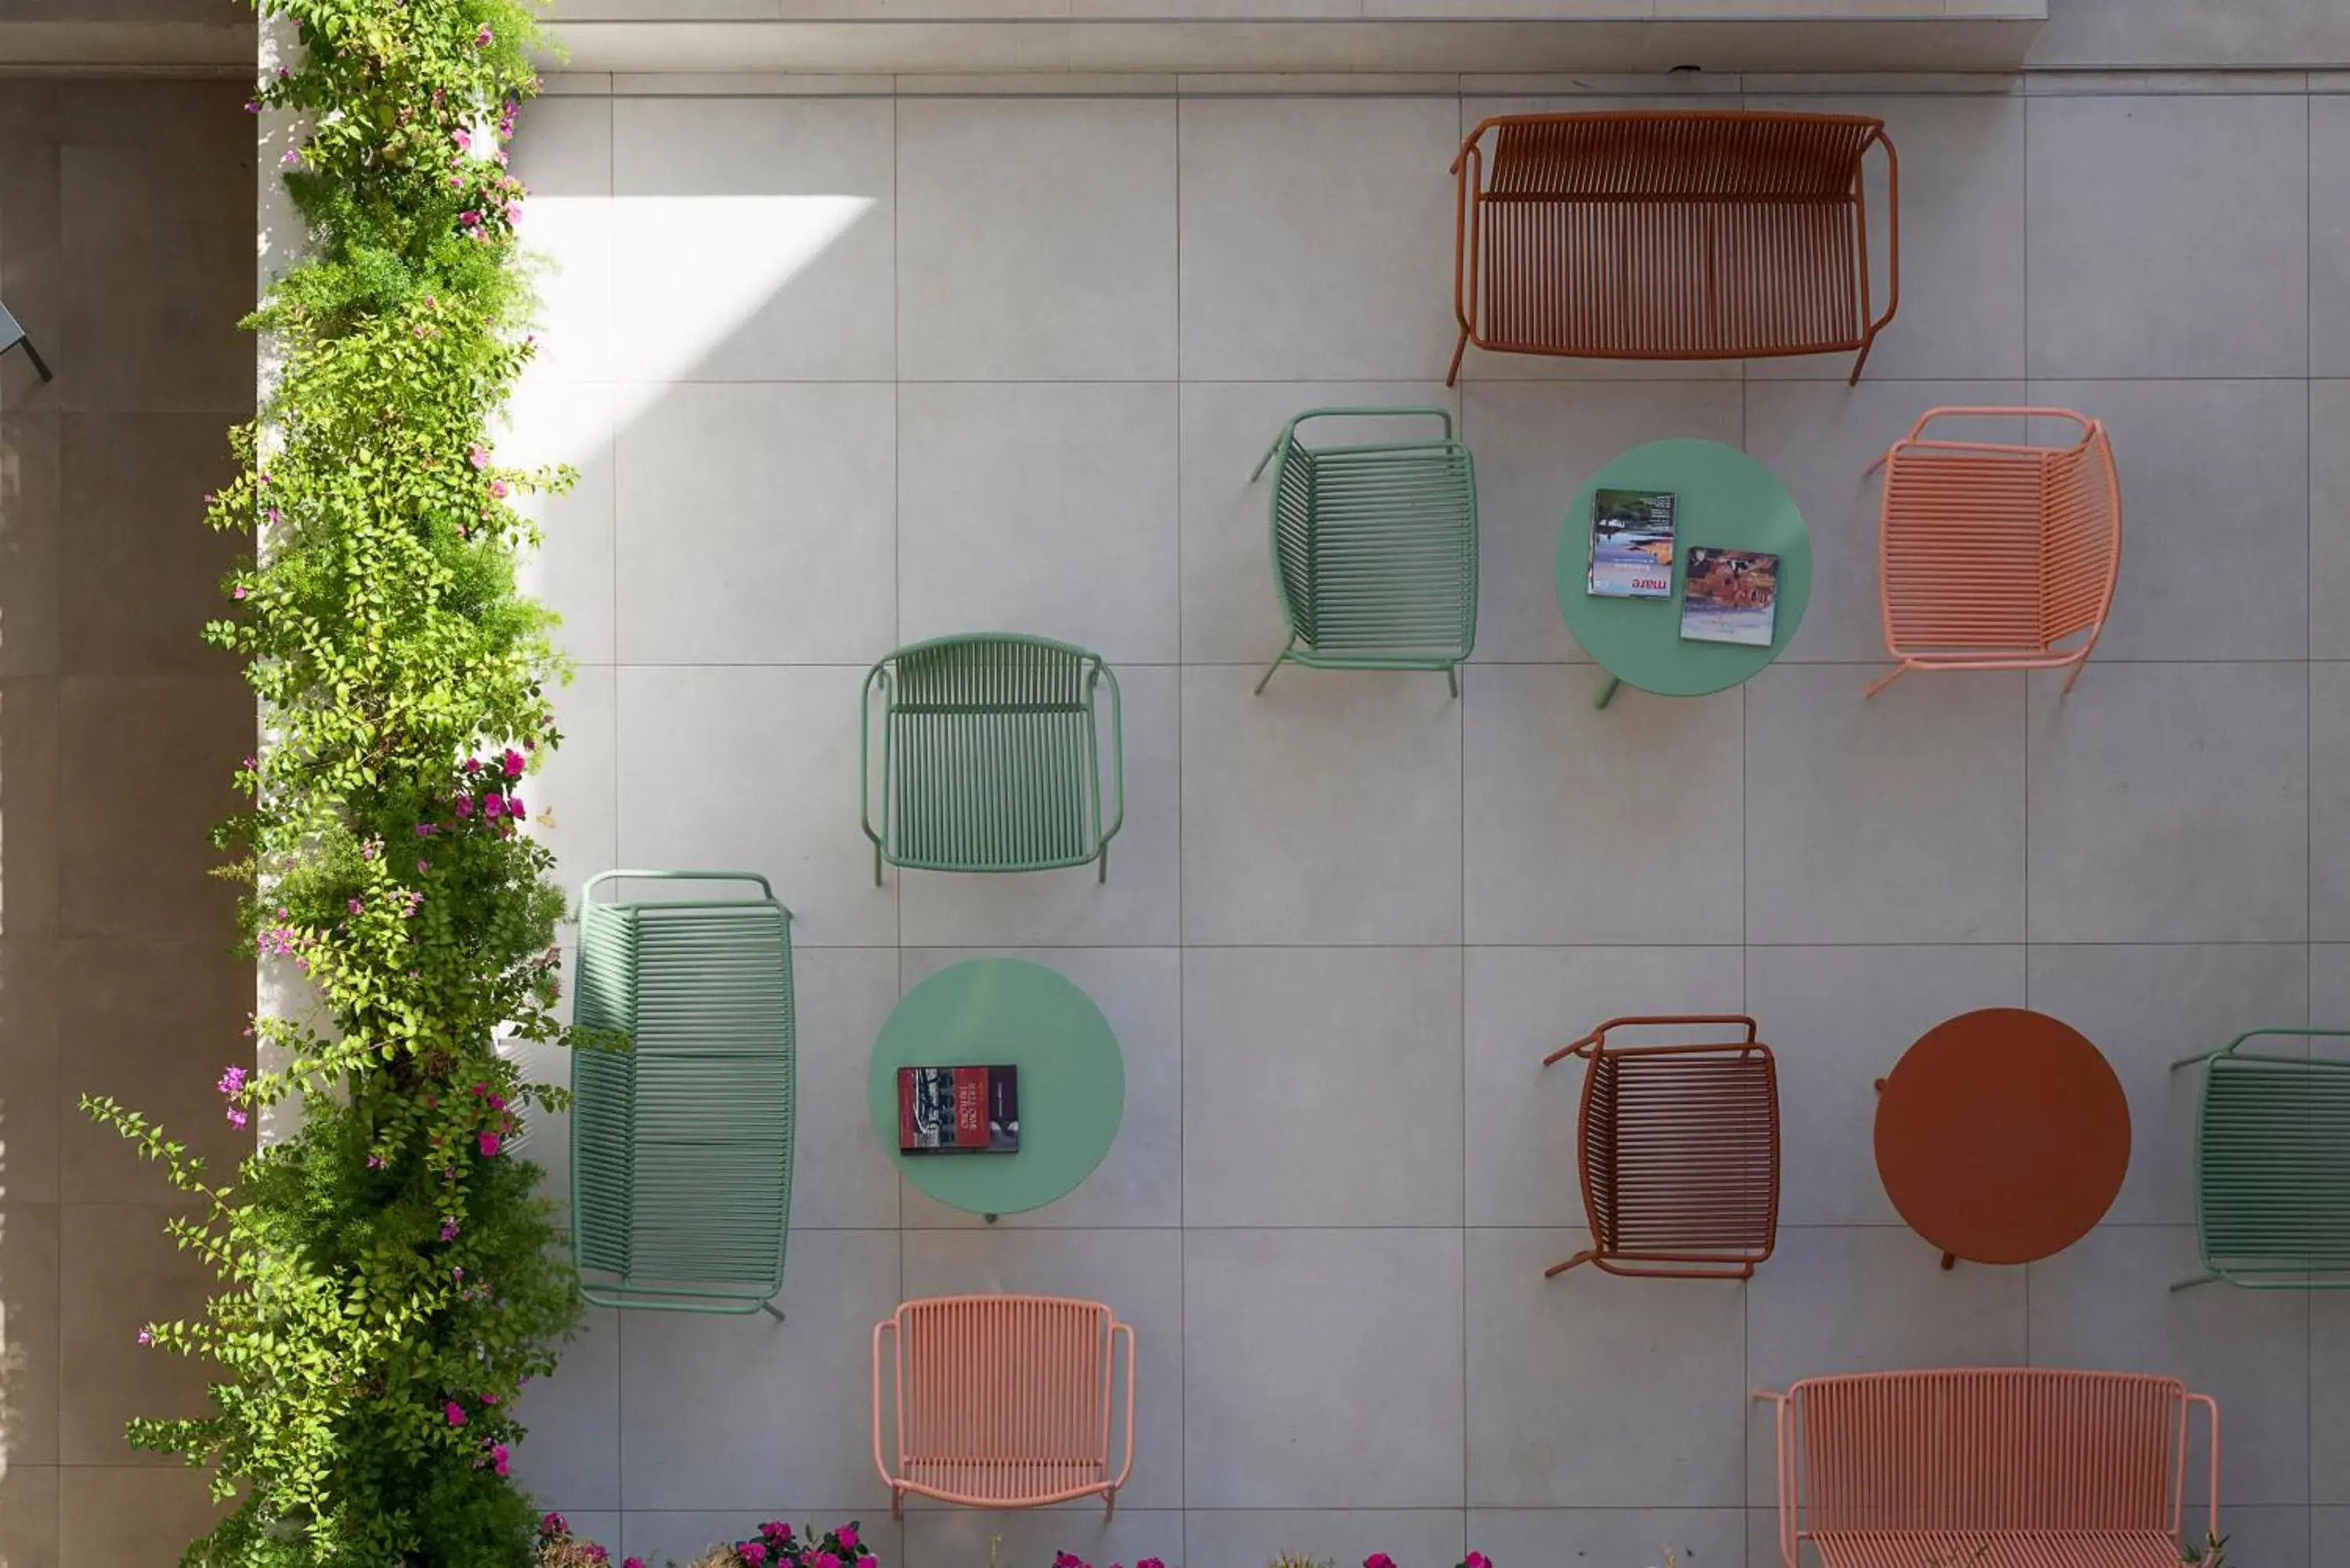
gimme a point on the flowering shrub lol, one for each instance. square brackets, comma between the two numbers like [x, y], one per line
[775, 1546]
[387, 1282]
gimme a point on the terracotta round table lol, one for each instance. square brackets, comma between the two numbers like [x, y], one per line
[2001, 1136]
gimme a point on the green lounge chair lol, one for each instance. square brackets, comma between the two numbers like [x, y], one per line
[1375, 548]
[2272, 1167]
[992, 756]
[682, 1115]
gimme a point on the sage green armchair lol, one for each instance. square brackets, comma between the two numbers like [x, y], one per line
[2273, 1165]
[1375, 548]
[682, 1084]
[992, 753]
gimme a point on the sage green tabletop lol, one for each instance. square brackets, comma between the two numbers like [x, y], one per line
[993, 1011]
[1720, 497]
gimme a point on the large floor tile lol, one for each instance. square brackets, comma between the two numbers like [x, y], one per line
[1140, 1181]
[2329, 803]
[1899, 818]
[30, 1065]
[1588, 824]
[704, 1396]
[2146, 1008]
[144, 574]
[1820, 439]
[792, 489]
[31, 858]
[841, 1180]
[1317, 237]
[30, 508]
[2329, 519]
[1348, 1536]
[1523, 1004]
[1545, 1354]
[116, 1273]
[2125, 196]
[1232, 612]
[130, 1516]
[28, 1515]
[2105, 1302]
[1962, 238]
[135, 855]
[1138, 903]
[951, 1538]
[30, 1358]
[2329, 1395]
[1047, 509]
[1137, 1273]
[572, 571]
[754, 770]
[152, 1024]
[2215, 480]
[2329, 236]
[1036, 239]
[1839, 1018]
[1326, 810]
[1854, 1298]
[1322, 1087]
[562, 153]
[1539, 442]
[1699, 1537]
[1278, 1409]
[2170, 802]
[572, 1454]
[574, 797]
[2287, 1535]
[753, 239]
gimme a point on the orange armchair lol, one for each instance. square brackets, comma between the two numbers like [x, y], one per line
[1992, 555]
[1678, 1147]
[999, 1401]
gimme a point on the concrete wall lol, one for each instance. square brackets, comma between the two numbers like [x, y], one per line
[126, 247]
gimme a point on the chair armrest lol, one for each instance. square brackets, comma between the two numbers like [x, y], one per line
[1470, 165]
[1117, 1331]
[880, 673]
[1892, 225]
[1103, 672]
[889, 1327]
[1784, 1485]
[2211, 1515]
[1599, 1037]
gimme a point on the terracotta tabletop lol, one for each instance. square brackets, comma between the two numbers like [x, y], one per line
[2001, 1136]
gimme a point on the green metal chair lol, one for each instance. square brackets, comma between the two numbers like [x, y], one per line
[2272, 1167]
[1375, 548]
[992, 753]
[681, 1130]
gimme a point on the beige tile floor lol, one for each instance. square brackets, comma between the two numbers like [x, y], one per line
[840, 371]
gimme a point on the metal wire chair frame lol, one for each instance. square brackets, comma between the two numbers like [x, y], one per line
[1600, 1150]
[1094, 676]
[598, 1072]
[1945, 492]
[2217, 1124]
[981, 1327]
[1423, 507]
[1719, 155]
[1933, 1447]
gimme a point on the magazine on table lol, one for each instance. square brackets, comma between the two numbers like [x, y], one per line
[1729, 596]
[1631, 545]
[959, 1110]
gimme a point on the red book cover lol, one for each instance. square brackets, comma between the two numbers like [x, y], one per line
[958, 1110]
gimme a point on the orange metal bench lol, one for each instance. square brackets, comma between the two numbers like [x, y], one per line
[1670, 235]
[1000, 1401]
[1996, 1466]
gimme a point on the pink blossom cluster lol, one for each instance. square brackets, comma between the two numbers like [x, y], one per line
[777, 1546]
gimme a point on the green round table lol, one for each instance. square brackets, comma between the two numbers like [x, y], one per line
[989, 1013]
[1720, 497]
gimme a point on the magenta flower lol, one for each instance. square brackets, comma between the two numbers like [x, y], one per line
[1477, 1560]
[846, 1536]
[456, 1412]
[464, 141]
[498, 489]
[825, 1560]
[283, 73]
[478, 456]
[236, 1118]
[469, 218]
[554, 1524]
[494, 806]
[423, 830]
[274, 514]
[488, 1144]
[375, 1162]
[231, 1081]
[356, 905]
[423, 866]
[145, 1337]
[481, 39]
[498, 1457]
[632, 1562]
[596, 1553]
[238, 592]
[473, 764]
[752, 1553]
[1150, 1563]
[291, 158]
[1379, 1560]
[513, 762]
[456, 183]
[251, 107]
[514, 806]
[465, 805]
[448, 1228]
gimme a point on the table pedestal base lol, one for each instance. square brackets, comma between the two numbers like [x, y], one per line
[1606, 692]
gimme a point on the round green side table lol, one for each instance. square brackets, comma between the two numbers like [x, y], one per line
[1720, 497]
[990, 1013]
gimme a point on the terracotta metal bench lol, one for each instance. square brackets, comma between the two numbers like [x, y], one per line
[1670, 235]
[1000, 1401]
[2015, 1466]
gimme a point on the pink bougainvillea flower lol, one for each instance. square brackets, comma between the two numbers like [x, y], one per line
[632, 1562]
[456, 1412]
[514, 806]
[489, 1145]
[481, 39]
[824, 1560]
[473, 764]
[145, 1337]
[498, 489]
[751, 1551]
[465, 805]
[498, 1457]
[291, 158]
[238, 592]
[554, 1524]
[469, 218]
[478, 456]
[236, 1118]
[1477, 1560]
[464, 141]
[448, 1228]
[1150, 1563]
[846, 1536]
[596, 1553]
[356, 905]
[231, 1080]
[513, 762]
[375, 1162]
[1379, 1560]
[494, 806]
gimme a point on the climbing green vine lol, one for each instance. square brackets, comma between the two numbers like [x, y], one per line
[387, 1277]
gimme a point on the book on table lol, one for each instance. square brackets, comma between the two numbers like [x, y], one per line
[959, 1110]
[1631, 545]
[1729, 596]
